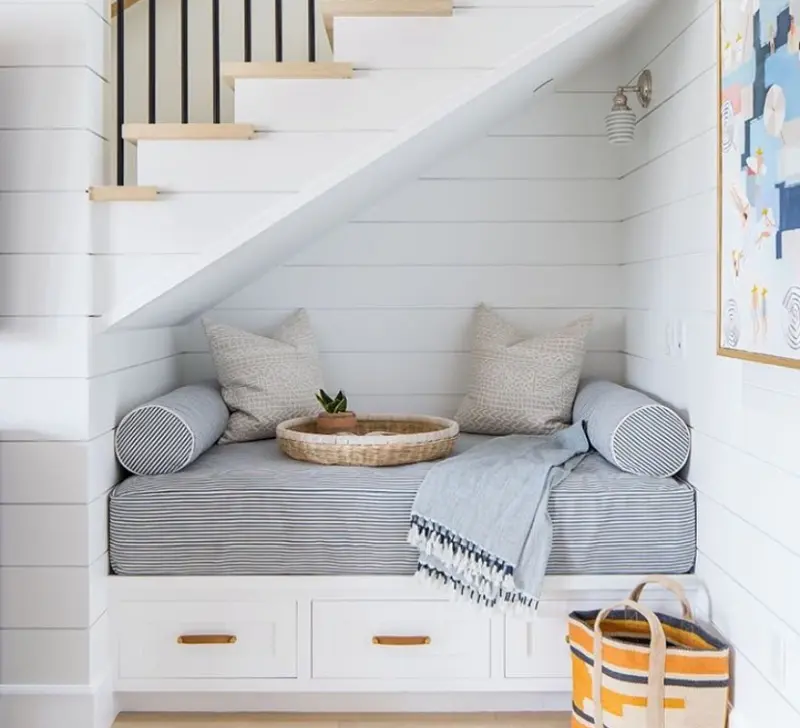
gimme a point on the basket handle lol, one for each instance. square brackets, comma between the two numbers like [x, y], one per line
[658, 665]
[670, 585]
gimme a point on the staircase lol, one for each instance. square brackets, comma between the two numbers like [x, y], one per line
[313, 143]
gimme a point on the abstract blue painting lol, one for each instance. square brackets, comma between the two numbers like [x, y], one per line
[759, 225]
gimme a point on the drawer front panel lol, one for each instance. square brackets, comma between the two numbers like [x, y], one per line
[538, 648]
[385, 639]
[207, 640]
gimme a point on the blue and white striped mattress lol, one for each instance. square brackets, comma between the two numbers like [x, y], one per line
[247, 509]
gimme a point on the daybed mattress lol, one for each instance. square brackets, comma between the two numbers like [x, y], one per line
[247, 509]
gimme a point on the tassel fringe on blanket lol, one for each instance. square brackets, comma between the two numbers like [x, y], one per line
[480, 521]
[474, 574]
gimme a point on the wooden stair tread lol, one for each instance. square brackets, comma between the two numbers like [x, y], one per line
[289, 69]
[331, 9]
[126, 193]
[195, 132]
[126, 5]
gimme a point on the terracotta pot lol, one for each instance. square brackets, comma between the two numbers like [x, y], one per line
[330, 424]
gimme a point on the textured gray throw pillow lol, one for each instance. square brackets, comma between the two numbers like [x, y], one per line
[520, 384]
[265, 380]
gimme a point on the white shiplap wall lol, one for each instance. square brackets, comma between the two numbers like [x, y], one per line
[62, 386]
[744, 417]
[524, 220]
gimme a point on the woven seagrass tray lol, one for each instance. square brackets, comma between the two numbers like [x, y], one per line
[379, 440]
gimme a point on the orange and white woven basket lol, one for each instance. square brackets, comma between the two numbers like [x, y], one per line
[633, 668]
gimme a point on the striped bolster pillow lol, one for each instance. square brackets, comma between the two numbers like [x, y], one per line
[170, 432]
[632, 431]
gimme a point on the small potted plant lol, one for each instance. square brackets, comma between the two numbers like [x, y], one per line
[335, 416]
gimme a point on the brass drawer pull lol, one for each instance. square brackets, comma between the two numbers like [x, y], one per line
[396, 641]
[207, 639]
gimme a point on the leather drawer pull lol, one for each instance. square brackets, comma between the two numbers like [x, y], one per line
[395, 641]
[207, 639]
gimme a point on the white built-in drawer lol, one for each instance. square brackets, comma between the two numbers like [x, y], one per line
[207, 639]
[538, 648]
[399, 639]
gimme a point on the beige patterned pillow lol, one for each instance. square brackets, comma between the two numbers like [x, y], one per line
[265, 381]
[521, 385]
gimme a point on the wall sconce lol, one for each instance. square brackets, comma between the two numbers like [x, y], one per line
[621, 122]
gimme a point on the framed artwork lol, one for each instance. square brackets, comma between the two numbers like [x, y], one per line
[758, 266]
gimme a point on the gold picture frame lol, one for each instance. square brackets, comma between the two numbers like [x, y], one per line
[745, 190]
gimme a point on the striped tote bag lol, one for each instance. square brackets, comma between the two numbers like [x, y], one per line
[633, 668]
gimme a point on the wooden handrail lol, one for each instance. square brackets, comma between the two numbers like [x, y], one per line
[127, 4]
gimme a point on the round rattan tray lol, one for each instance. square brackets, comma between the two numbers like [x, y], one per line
[379, 440]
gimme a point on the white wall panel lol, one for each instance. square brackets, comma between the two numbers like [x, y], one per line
[744, 416]
[53, 597]
[44, 160]
[367, 287]
[460, 243]
[52, 34]
[57, 472]
[69, 226]
[478, 200]
[68, 535]
[51, 98]
[46, 285]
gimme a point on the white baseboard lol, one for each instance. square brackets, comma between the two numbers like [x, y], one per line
[58, 706]
[343, 702]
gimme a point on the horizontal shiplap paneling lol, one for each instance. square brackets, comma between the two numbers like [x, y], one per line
[499, 201]
[531, 157]
[460, 244]
[51, 98]
[74, 656]
[47, 160]
[57, 472]
[433, 286]
[68, 535]
[46, 285]
[52, 34]
[69, 226]
[407, 329]
[744, 428]
[53, 597]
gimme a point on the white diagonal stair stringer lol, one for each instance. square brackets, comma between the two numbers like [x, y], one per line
[294, 220]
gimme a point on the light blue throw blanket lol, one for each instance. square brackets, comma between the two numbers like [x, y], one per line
[480, 519]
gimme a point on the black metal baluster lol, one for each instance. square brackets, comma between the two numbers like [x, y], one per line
[151, 40]
[184, 61]
[120, 91]
[312, 30]
[216, 61]
[248, 31]
[278, 30]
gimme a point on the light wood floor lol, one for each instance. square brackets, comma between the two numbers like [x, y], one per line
[366, 720]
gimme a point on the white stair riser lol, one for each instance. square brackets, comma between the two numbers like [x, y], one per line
[179, 224]
[469, 39]
[374, 100]
[270, 163]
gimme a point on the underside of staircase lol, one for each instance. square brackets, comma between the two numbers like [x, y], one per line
[313, 144]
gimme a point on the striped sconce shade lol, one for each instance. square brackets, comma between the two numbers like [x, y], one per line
[621, 126]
